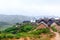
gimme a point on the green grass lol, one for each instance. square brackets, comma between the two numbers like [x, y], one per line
[44, 30]
[5, 27]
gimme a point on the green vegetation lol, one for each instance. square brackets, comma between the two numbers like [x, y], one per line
[3, 27]
[16, 32]
[54, 29]
[22, 28]
[25, 34]
[44, 30]
[2, 36]
[25, 30]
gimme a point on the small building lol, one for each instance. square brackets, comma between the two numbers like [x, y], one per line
[26, 21]
[50, 22]
[42, 20]
[32, 21]
[42, 25]
[57, 22]
[53, 24]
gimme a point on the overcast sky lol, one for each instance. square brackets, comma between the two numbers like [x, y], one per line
[30, 7]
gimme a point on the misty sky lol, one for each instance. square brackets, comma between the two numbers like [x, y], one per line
[30, 7]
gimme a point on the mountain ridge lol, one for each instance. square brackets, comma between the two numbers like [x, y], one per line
[15, 18]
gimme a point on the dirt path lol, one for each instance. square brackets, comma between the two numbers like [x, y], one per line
[21, 39]
[57, 37]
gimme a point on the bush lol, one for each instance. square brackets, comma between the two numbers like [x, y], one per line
[44, 30]
[23, 34]
[0, 32]
[36, 32]
[9, 36]
[2, 36]
[18, 35]
[54, 29]
[26, 28]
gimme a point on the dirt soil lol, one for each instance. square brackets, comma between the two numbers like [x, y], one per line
[57, 37]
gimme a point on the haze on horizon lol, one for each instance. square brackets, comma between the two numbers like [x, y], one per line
[30, 7]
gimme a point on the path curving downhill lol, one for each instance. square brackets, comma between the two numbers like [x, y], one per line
[57, 37]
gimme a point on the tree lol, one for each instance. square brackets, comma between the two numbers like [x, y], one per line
[0, 32]
[26, 28]
[17, 24]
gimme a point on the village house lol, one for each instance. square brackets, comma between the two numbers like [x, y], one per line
[43, 23]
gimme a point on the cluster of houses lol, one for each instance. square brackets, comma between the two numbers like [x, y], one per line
[48, 22]
[45, 22]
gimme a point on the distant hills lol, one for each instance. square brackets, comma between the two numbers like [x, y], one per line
[4, 23]
[12, 19]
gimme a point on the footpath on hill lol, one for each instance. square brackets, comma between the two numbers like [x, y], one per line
[57, 37]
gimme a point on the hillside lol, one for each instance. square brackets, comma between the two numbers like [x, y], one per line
[8, 20]
[26, 32]
[4, 25]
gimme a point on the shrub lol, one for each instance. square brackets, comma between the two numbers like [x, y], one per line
[2, 36]
[36, 32]
[26, 28]
[9, 36]
[44, 30]
[18, 35]
[0, 32]
[54, 29]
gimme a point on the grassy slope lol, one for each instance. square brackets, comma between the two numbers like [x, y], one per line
[32, 35]
[5, 27]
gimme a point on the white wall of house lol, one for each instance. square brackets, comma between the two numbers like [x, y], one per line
[32, 21]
